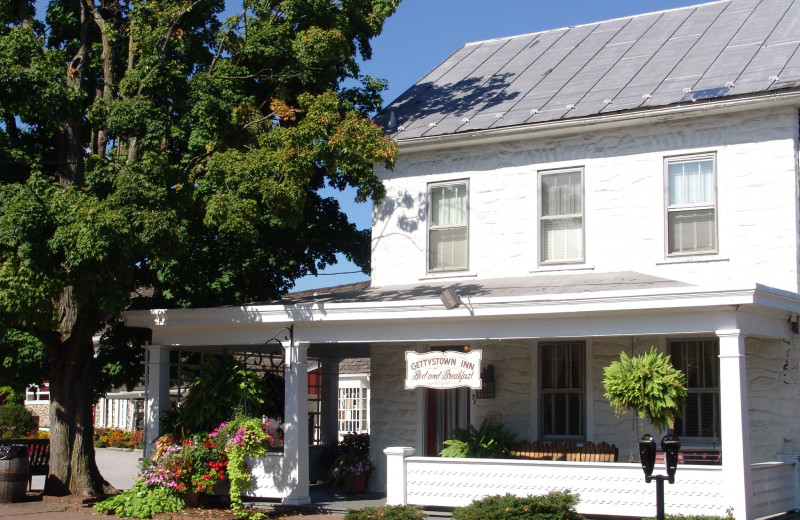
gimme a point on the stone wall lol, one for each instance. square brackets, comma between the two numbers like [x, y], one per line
[41, 410]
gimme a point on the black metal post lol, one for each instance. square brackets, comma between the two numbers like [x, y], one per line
[660, 496]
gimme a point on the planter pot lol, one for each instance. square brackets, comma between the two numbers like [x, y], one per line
[191, 499]
[355, 484]
[14, 473]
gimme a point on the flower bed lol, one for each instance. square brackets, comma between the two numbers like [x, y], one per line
[180, 469]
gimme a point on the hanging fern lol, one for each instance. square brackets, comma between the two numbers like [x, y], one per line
[648, 384]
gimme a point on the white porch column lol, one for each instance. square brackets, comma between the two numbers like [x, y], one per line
[735, 422]
[396, 474]
[329, 422]
[157, 403]
[295, 437]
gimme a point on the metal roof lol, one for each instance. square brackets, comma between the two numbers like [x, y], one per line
[680, 56]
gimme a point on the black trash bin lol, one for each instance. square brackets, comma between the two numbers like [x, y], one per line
[14, 472]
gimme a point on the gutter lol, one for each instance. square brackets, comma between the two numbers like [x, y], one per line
[565, 126]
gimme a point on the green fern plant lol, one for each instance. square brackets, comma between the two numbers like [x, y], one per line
[648, 384]
[490, 441]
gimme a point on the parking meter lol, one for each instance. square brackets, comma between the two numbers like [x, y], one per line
[671, 445]
[647, 454]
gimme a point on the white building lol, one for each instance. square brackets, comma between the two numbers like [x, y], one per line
[583, 191]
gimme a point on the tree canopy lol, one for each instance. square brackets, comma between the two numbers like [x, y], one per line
[156, 153]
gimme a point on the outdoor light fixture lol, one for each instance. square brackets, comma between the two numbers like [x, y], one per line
[450, 299]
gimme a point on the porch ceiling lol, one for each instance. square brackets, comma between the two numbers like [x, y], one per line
[546, 306]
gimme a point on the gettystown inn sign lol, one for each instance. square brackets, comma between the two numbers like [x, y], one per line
[449, 369]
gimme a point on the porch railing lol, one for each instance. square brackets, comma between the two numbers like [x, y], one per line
[605, 488]
[774, 488]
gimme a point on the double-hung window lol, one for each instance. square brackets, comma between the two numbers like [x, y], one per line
[691, 205]
[562, 376]
[699, 361]
[561, 216]
[447, 227]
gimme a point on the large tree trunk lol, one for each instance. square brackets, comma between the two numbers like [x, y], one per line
[72, 465]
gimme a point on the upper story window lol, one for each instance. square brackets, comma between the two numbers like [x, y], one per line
[562, 376]
[691, 205]
[561, 216]
[447, 227]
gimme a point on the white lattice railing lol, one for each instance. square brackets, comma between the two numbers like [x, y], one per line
[774, 489]
[616, 489]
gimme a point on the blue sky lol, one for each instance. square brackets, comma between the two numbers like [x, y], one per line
[423, 33]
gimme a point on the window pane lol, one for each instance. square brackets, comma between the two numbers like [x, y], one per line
[562, 239]
[561, 193]
[449, 205]
[562, 389]
[448, 248]
[447, 238]
[691, 182]
[692, 230]
[561, 225]
[699, 361]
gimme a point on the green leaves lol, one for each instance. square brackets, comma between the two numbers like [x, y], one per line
[648, 384]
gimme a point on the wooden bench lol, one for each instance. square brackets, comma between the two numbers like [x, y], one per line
[694, 456]
[38, 456]
[569, 451]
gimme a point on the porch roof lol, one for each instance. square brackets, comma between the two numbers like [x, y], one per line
[558, 305]
[551, 284]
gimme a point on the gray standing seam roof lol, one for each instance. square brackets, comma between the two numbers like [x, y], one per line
[679, 56]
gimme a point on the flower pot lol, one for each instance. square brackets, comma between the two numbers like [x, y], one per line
[355, 484]
[191, 499]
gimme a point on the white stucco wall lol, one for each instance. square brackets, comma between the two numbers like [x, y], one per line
[514, 380]
[393, 410]
[773, 382]
[624, 202]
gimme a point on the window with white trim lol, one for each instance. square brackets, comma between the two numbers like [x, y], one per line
[691, 205]
[699, 361]
[353, 408]
[447, 227]
[562, 390]
[561, 216]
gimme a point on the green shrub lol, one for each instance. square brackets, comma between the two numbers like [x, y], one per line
[142, 501]
[557, 505]
[218, 387]
[490, 441]
[386, 513]
[16, 422]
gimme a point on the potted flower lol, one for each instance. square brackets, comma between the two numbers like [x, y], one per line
[353, 470]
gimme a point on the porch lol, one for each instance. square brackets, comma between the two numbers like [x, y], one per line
[757, 363]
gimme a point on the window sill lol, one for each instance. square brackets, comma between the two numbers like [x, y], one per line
[546, 269]
[693, 260]
[448, 275]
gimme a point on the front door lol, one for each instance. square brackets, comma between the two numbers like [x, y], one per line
[446, 410]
